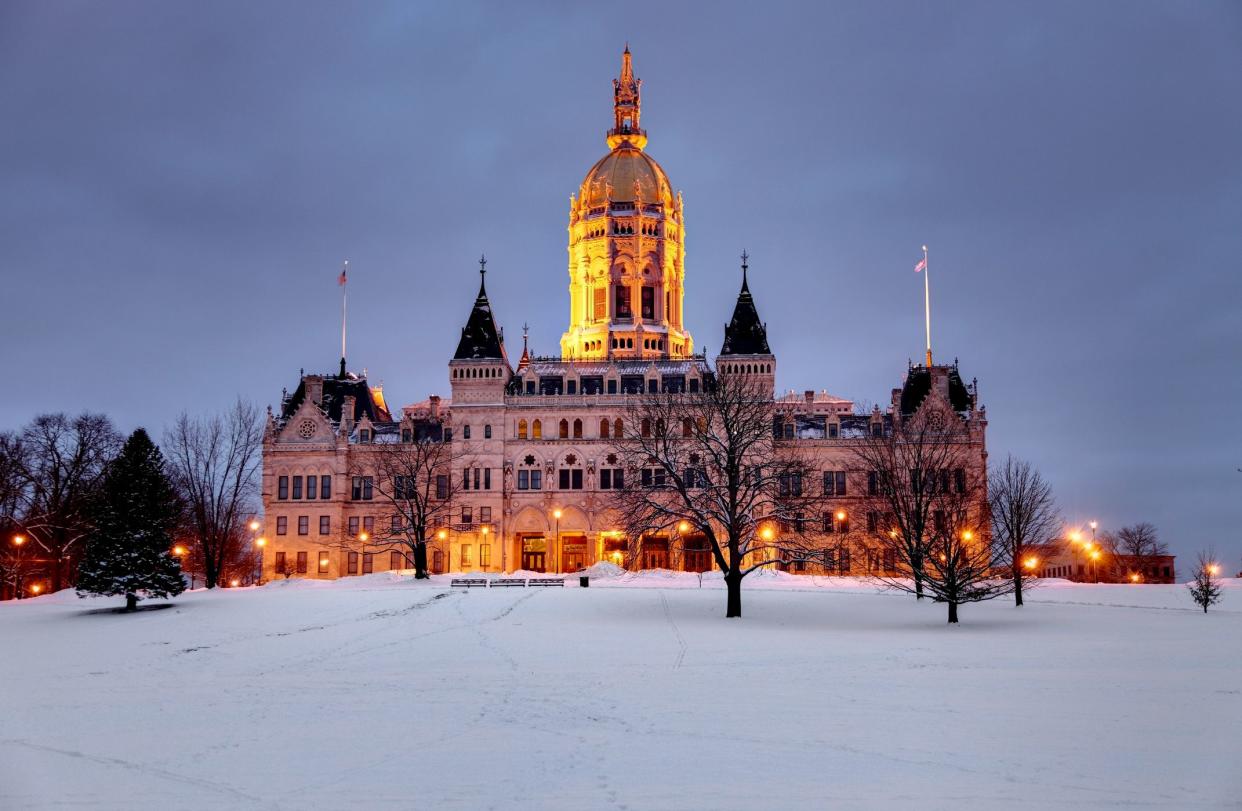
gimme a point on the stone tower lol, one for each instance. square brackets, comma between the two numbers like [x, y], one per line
[626, 248]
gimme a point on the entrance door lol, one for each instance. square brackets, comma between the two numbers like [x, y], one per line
[573, 553]
[535, 554]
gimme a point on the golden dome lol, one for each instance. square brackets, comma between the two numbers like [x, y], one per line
[625, 175]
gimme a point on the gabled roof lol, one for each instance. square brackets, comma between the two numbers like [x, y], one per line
[480, 339]
[919, 384]
[335, 390]
[745, 334]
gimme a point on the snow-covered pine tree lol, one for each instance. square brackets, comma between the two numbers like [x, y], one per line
[129, 551]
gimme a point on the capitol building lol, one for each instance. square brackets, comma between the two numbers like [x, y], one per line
[527, 485]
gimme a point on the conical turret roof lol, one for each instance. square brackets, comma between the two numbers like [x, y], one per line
[480, 339]
[745, 334]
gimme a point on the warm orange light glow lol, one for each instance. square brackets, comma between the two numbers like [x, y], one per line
[234, 582]
[1134, 578]
[1075, 536]
[767, 533]
[1213, 568]
[943, 556]
[36, 588]
[967, 535]
[254, 526]
[840, 515]
[179, 551]
[363, 537]
[616, 558]
[485, 530]
[261, 542]
[1095, 555]
[892, 533]
[442, 534]
[18, 540]
[557, 513]
[683, 527]
[1031, 563]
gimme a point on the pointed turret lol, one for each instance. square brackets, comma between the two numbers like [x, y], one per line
[745, 334]
[480, 339]
[626, 106]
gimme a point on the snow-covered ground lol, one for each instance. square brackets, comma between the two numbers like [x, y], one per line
[380, 692]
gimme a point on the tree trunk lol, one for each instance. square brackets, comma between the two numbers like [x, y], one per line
[917, 570]
[952, 613]
[1017, 588]
[131, 602]
[733, 584]
[420, 561]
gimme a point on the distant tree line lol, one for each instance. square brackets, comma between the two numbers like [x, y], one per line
[77, 500]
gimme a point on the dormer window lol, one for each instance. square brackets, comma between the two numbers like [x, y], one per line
[364, 435]
[407, 435]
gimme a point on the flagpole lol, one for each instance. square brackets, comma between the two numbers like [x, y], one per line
[927, 303]
[344, 281]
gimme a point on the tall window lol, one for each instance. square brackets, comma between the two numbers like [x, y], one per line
[304, 525]
[363, 488]
[571, 478]
[282, 525]
[623, 302]
[325, 525]
[521, 429]
[297, 487]
[564, 429]
[312, 487]
[467, 515]
[603, 428]
[280, 563]
[601, 303]
[648, 301]
[465, 432]
[352, 564]
[616, 428]
[323, 562]
[353, 525]
[368, 563]
[442, 486]
[325, 487]
[612, 478]
[368, 524]
[282, 488]
[487, 432]
[834, 482]
[302, 563]
[536, 430]
[577, 429]
[395, 560]
[485, 555]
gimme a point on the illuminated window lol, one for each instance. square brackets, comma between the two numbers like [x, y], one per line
[323, 562]
[521, 429]
[536, 430]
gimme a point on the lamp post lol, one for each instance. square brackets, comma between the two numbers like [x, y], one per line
[19, 541]
[484, 530]
[557, 515]
[442, 537]
[258, 542]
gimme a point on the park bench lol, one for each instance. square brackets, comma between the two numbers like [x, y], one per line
[469, 582]
[546, 581]
[509, 582]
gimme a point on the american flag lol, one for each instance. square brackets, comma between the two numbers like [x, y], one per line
[341, 279]
[922, 265]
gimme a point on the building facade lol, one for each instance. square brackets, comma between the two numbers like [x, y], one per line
[533, 461]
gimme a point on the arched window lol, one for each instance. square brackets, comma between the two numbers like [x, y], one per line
[603, 428]
[687, 427]
[521, 429]
[564, 429]
[536, 430]
[616, 428]
[465, 432]
[487, 432]
[659, 426]
[577, 429]
[645, 427]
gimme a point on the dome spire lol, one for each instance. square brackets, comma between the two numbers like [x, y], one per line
[626, 106]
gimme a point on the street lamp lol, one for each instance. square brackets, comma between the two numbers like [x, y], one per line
[557, 515]
[19, 541]
[260, 542]
[1095, 566]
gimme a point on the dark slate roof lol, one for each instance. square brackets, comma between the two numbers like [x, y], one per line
[745, 334]
[918, 385]
[335, 390]
[480, 340]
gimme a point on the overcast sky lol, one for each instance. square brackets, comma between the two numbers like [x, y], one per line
[179, 183]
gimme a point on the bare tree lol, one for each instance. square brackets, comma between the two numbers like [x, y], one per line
[1135, 549]
[1024, 517]
[214, 463]
[912, 470]
[286, 568]
[58, 476]
[414, 480]
[709, 460]
[1205, 589]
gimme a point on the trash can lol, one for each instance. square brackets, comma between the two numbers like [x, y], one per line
[584, 581]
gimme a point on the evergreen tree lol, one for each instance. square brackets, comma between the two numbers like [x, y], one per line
[129, 551]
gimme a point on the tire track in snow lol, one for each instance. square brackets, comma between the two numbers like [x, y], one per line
[140, 768]
[681, 641]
